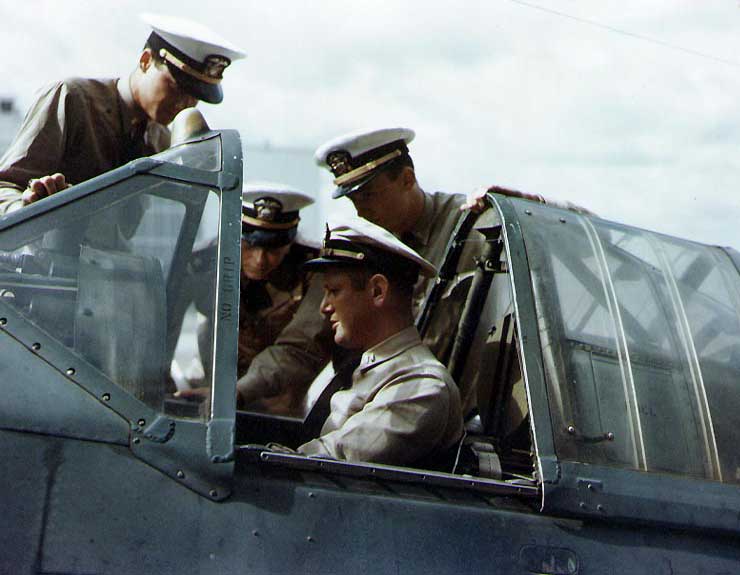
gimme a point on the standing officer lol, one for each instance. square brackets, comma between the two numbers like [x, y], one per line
[273, 282]
[402, 406]
[375, 171]
[79, 128]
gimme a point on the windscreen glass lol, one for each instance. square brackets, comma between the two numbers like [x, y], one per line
[643, 354]
[202, 155]
[125, 281]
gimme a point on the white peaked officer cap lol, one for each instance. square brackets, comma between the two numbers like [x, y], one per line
[270, 213]
[356, 158]
[195, 55]
[356, 242]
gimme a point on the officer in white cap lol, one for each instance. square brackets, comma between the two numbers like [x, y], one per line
[402, 406]
[79, 128]
[274, 282]
[195, 55]
[375, 171]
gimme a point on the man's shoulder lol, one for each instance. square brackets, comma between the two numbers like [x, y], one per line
[416, 361]
[82, 89]
[441, 209]
[421, 356]
[76, 84]
[444, 201]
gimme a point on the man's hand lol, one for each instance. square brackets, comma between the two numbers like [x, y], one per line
[204, 392]
[476, 200]
[39, 188]
[277, 448]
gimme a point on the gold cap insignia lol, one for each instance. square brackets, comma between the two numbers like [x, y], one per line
[339, 162]
[214, 66]
[268, 209]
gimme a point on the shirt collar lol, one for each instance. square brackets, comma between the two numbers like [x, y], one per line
[390, 348]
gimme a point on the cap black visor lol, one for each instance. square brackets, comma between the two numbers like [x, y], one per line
[211, 93]
[268, 238]
[348, 189]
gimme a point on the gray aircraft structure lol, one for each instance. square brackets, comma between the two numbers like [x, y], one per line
[602, 362]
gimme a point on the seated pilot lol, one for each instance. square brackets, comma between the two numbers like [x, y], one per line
[401, 406]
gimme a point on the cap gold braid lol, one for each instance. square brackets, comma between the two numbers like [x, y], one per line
[175, 61]
[364, 169]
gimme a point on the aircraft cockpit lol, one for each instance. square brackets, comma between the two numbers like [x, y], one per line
[598, 363]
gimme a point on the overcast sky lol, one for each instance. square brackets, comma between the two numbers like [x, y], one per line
[628, 108]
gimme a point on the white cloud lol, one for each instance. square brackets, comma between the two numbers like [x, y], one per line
[640, 131]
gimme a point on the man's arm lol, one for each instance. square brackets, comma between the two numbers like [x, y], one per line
[29, 168]
[297, 356]
[10, 198]
[476, 200]
[404, 422]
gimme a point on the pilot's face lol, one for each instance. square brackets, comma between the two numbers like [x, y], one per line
[159, 95]
[259, 262]
[348, 309]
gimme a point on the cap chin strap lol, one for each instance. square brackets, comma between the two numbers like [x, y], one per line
[175, 61]
[332, 252]
[370, 166]
[257, 223]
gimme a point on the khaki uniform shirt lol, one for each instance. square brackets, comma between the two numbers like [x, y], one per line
[260, 327]
[305, 345]
[402, 406]
[296, 357]
[80, 128]
[266, 307]
[431, 235]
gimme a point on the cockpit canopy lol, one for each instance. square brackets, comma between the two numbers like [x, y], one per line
[640, 337]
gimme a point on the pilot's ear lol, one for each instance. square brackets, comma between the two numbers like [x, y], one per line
[378, 285]
[146, 59]
[408, 177]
